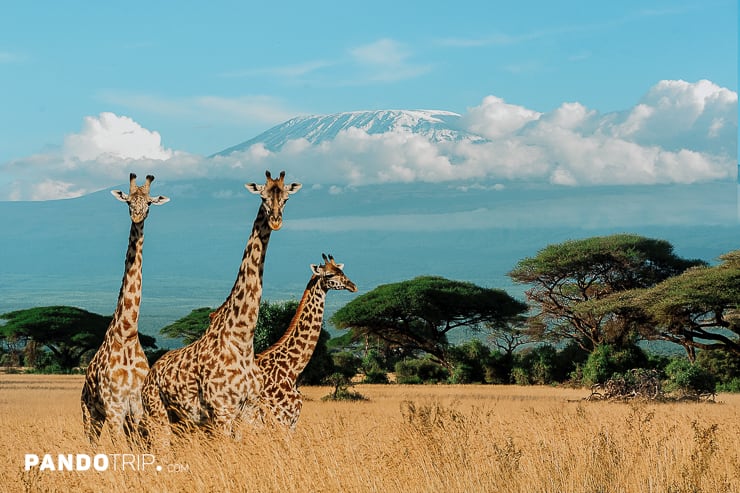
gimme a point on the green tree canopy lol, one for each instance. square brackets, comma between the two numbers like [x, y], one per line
[190, 327]
[418, 314]
[67, 332]
[699, 308]
[566, 274]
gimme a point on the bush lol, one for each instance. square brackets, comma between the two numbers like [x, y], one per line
[413, 371]
[731, 386]
[470, 361]
[346, 364]
[568, 360]
[464, 373]
[724, 365]
[341, 390]
[376, 376]
[520, 376]
[535, 366]
[689, 378]
[606, 361]
[373, 368]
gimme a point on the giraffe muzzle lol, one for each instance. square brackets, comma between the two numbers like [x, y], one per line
[275, 223]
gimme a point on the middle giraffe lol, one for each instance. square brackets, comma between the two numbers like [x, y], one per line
[282, 363]
[212, 380]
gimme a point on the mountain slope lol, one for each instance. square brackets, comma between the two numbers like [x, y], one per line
[436, 125]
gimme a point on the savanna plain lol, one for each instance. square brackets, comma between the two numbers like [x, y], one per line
[448, 438]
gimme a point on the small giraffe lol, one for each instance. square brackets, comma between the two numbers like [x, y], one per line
[283, 362]
[209, 382]
[113, 380]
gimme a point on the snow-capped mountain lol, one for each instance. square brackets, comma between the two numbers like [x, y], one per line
[436, 125]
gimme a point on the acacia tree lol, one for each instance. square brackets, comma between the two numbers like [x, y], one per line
[67, 332]
[698, 309]
[566, 274]
[418, 314]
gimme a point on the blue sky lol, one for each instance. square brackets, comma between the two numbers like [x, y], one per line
[189, 79]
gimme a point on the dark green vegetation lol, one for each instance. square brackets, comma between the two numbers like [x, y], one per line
[590, 306]
[54, 338]
[417, 315]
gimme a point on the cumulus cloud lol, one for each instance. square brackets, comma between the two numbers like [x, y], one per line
[679, 132]
[106, 149]
[109, 136]
[494, 118]
[676, 115]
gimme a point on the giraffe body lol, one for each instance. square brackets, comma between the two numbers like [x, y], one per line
[113, 379]
[282, 363]
[209, 382]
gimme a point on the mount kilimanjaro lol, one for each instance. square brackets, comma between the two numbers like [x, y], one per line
[436, 125]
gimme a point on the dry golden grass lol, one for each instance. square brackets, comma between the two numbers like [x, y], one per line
[403, 439]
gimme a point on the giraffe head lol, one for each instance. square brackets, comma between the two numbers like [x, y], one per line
[330, 274]
[274, 195]
[138, 198]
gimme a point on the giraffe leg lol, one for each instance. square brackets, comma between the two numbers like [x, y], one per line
[93, 426]
[92, 420]
[223, 423]
[295, 412]
[154, 424]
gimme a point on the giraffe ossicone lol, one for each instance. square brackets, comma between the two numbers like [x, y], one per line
[282, 363]
[114, 378]
[210, 382]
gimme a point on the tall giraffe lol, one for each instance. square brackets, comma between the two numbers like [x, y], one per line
[210, 381]
[113, 380]
[282, 363]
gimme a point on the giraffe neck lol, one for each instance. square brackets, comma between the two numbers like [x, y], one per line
[126, 317]
[299, 341]
[237, 316]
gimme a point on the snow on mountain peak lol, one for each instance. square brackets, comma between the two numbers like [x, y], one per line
[436, 125]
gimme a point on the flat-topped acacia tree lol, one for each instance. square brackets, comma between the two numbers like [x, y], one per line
[418, 314]
[566, 274]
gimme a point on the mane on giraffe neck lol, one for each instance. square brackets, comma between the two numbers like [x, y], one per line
[239, 311]
[126, 316]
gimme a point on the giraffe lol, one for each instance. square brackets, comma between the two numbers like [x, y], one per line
[209, 382]
[283, 362]
[113, 380]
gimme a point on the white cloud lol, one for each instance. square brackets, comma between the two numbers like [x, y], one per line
[494, 118]
[679, 132]
[109, 136]
[55, 189]
[102, 154]
[675, 114]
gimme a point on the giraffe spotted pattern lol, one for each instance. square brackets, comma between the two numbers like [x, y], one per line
[210, 382]
[114, 378]
[282, 363]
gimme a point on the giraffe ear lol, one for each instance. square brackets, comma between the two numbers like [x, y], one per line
[293, 187]
[159, 200]
[316, 270]
[254, 188]
[340, 266]
[123, 197]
